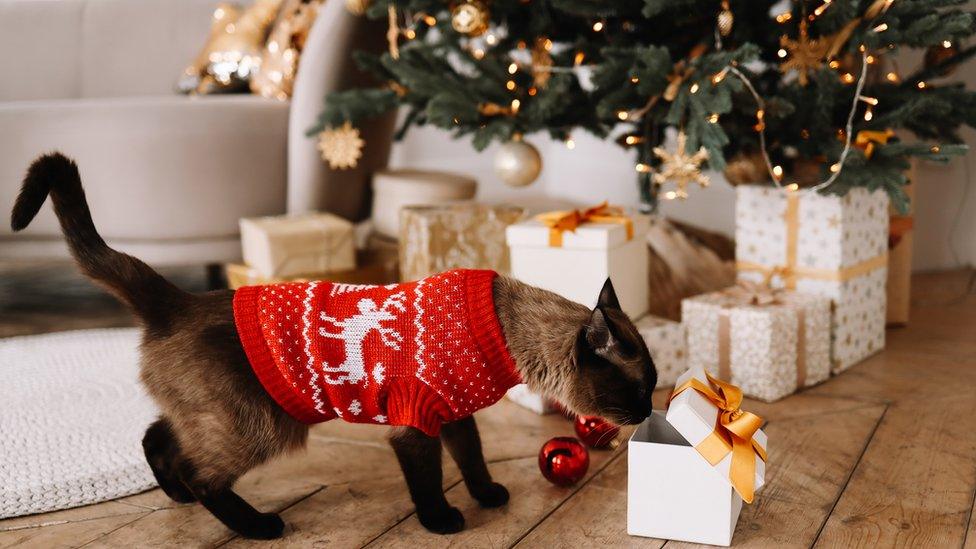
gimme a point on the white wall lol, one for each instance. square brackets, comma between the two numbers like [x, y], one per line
[595, 170]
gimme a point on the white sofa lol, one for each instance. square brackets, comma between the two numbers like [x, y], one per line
[167, 176]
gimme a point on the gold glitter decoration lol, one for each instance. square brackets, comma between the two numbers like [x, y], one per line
[470, 17]
[341, 147]
[804, 54]
[680, 167]
[541, 63]
[357, 7]
[725, 19]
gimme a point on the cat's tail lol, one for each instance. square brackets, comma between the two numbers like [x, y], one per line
[151, 297]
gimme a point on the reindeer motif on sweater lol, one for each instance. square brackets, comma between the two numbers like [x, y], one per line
[418, 353]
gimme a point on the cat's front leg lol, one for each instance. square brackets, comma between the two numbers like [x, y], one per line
[420, 458]
[464, 444]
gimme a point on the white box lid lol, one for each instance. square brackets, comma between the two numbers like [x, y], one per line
[588, 236]
[695, 417]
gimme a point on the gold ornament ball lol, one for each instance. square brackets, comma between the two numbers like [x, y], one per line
[725, 20]
[357, 7]
[470, 18]
[518, 163]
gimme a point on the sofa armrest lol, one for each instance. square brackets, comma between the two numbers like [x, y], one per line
[327, 66]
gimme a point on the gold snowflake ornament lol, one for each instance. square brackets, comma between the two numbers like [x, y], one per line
[341, 147]
[680, 167]
[804, 54]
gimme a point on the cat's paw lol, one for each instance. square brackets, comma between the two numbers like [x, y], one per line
[263, 526]
[447, 520]
[492, 495]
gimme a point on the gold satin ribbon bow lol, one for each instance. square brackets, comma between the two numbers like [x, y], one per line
[561, 221]
[733, 433]
[746, 292]
[866, 140]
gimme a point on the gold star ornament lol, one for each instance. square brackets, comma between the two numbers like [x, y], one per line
[802, 55]
[681, 168]
[341, 147]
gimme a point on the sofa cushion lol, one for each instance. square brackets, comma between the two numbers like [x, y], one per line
[40, 57]
[155, 168]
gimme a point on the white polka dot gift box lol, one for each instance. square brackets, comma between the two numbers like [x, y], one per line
[665, 341]
[827, 245]
[769, 342]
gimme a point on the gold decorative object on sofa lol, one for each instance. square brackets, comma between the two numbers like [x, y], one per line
[279, 60]
[232, 54]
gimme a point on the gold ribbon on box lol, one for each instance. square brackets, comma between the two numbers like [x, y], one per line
[867, 139]
[733, 433]
[758, 295]
[790, 272]
[562, 221]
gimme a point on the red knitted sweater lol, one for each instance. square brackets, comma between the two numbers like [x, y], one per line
[419, 354]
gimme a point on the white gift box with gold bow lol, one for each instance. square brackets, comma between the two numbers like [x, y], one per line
[769, 342]
[689, 471]
[290, 245]
[574, 258]
[827, 245]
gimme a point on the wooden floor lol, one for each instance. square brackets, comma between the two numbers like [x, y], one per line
[883, 455]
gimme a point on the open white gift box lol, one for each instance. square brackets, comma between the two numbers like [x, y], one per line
[575, 262]
[673, 490]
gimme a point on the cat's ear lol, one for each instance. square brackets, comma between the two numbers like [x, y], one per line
[597, 334]
[608, 297]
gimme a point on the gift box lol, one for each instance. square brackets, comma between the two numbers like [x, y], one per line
[690, 470]
[468, 235]
[827, 245]
[526, 398]
[769, 342]
[899, 285]
[394, 189]
[292, 245]
[375, 266]
[573, 253]
[665, 340]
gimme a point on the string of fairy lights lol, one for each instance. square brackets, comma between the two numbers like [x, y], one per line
[477, 49]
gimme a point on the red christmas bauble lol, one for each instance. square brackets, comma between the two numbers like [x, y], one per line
[563, 460]
[596, 432]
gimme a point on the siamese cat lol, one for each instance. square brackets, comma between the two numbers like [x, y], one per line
[218, 421]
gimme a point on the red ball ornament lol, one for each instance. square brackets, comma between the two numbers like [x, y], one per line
[563, 460]
[596, 432]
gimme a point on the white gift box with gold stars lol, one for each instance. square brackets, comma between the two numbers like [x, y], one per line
[665, 340]
[828, 245]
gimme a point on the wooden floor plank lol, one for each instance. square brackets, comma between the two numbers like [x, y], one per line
[914, 485]
[68, 534]
[811, 457]
[532, 499]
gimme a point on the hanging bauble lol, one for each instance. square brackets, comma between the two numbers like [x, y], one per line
[596, 432]
[744, 169]
[470, 17]
[518, 163]
[563, 460]
[725, 19]
[937, 55]
[357, 7]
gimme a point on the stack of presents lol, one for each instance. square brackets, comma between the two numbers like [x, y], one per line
[810, 302]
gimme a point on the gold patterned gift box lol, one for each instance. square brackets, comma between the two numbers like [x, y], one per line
[665, 340]
[465, 235]
[770, 343]
[827, 245]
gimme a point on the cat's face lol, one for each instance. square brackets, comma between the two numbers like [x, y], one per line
[615, 375]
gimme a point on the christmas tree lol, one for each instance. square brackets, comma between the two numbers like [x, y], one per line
[806, 93]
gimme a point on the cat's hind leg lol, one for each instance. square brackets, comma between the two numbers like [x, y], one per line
[464, 444]
[162, 453]
[420, 458]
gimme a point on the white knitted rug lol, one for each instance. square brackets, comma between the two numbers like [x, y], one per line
[72, 417]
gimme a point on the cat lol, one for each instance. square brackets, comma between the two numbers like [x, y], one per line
[217, 420]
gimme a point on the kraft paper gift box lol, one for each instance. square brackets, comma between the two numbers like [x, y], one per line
[292, 245]
[573, 253]
[437, 238]
[770, 343]
[827, 245]
[683, 480]
[665, 339]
